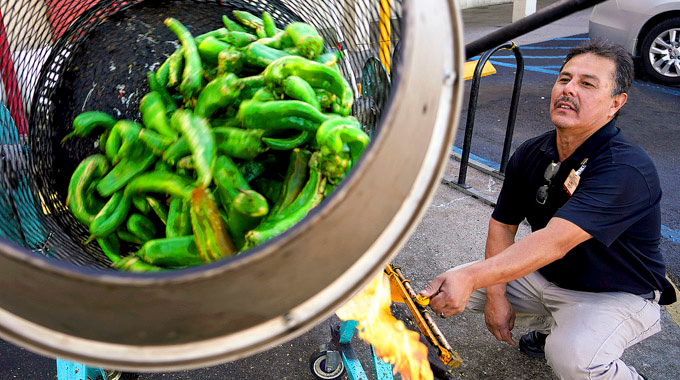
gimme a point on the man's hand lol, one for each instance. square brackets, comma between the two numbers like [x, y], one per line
[449, 292]
[500, 318]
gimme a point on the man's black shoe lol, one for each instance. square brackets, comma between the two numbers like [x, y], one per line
[533, 344]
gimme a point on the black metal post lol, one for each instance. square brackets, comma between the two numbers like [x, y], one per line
[514, 102]
[472, 108]
[527, 24]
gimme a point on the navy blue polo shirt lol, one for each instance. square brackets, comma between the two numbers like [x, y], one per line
[617, 202]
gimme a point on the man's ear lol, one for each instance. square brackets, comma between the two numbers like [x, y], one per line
[617, 102]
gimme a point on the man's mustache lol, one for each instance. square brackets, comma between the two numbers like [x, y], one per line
[568, 100]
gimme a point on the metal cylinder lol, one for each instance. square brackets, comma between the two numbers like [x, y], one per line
[234, 308]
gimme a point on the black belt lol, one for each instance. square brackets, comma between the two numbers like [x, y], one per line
[649, 296]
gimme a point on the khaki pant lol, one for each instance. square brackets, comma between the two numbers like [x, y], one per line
[588, 331]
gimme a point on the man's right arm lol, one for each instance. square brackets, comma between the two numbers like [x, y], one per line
[500, 318]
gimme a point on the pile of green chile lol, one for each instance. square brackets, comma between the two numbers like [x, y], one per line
[193, 183]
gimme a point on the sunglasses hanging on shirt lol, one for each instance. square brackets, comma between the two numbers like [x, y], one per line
[549, 174]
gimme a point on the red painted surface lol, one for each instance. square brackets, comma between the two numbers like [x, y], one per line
[9, 80]
[61, 13]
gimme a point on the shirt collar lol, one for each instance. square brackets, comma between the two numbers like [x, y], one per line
[588, 149]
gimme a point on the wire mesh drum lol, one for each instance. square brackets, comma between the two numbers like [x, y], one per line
[60, 296]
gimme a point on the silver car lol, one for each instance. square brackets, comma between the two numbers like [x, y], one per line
[648, 29]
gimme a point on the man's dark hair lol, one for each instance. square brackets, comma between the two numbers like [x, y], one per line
[624, 73]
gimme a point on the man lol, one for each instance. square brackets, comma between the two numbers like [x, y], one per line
[590, 277]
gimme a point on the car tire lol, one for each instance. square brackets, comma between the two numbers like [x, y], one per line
[661, 60]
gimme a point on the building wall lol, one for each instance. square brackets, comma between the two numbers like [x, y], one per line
[478, 3]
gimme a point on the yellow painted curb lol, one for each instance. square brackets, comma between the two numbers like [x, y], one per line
[674, 309]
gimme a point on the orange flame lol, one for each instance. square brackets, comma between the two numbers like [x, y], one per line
[392, 341]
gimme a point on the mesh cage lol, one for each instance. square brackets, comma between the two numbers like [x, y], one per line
[63, 57]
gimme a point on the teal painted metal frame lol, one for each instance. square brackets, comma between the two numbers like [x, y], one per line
[355, 371]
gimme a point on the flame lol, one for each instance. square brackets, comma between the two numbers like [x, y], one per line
[390, 338]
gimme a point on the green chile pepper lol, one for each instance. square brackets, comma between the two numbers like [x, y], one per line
[79, 188]
[132, 132]
[112, 145]
[154, 114]
[329, 59]
[135, 265]
[250, 85]
[110, 245]
[174, 252]
[141, 226]
[251, 21]
[238, 39]
[333, 134]
[306, 39]
[160, 182]
[158, 208]
[102, 140]
[316, 74]
[129, 237]
[154, 85]
[124, 172]
[186, 163]
[175, 67]
[269, 24]
[201, 139]
[179, 219]
[229, 180]
[192, 78]
[280, 115]
[263, 95]
[288, 143]
[219, 93]
[325, 97]
[161, 166]
[232, 25]
[87, 121]
[230, 61]
[298, 88]
[335, 166]
[293, 183]
[217, 33]
[210, 48]
[162, 74]
[310, 196]
[210, 232]
[234, 142]
[140, 203]
[269, 188]
[111, 216]
[245, 213]
[259, 55]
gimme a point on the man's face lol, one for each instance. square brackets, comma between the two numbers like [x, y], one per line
[581, 98]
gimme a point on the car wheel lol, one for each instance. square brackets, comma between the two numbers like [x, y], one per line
[660, 52]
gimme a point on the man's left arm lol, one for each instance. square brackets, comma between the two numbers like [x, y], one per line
[450, 291]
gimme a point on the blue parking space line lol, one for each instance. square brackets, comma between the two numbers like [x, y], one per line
[526, 68]
[670, 234]
[482, 160]
[658, 88]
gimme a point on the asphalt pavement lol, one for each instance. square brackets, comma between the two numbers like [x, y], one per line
[453, 231]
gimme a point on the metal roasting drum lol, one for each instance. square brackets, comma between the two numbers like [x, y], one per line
[59, 298]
